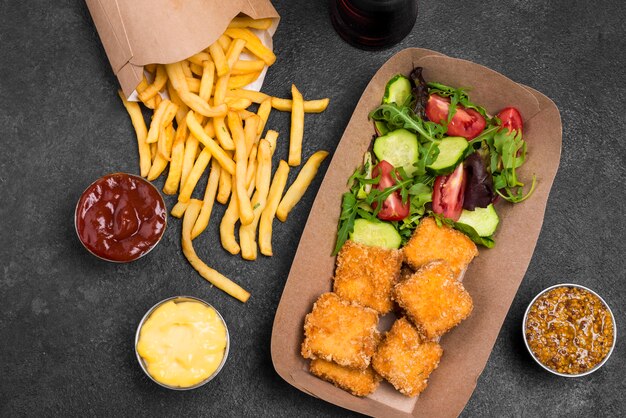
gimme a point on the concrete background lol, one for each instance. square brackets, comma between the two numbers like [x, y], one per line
[67, 320]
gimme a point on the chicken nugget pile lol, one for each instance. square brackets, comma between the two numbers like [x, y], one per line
[420, 280]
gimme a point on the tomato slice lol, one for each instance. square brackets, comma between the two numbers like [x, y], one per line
[467, 123]
[511, 119]
[448, 194]
[393, 208]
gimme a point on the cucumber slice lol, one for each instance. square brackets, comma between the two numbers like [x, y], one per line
[399, 148]
[483, 220]
[451, 152]
[375, 234]
[398, 90]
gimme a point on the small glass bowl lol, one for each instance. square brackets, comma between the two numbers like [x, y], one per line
[141, 361]
[597, 366]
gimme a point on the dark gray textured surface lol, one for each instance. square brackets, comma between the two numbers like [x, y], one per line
[67, 320]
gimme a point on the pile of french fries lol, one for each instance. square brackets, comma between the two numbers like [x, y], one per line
[206, 125]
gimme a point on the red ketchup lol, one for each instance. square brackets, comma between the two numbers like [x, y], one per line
[120, 217]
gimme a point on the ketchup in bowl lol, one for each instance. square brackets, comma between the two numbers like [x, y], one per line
[120, 217]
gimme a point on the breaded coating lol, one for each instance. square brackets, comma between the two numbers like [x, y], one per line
[431, 242]
[366, 275]
[357, 382]
[404, 360]
[340, 331]
[433, 299]
[406, 272]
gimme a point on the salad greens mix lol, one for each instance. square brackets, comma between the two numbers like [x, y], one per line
[436, 153]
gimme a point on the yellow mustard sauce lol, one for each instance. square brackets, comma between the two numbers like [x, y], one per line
[182, 343]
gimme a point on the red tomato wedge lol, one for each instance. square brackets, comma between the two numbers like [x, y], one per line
[448, 194]
[467, 123]
[511, 119]
[393, 208]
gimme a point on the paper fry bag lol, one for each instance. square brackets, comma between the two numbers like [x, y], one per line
[139, 32]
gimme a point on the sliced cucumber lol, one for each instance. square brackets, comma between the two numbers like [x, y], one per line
[483, 220]
[375, 234]
[399, 148]
[451, 152]
[398, 90]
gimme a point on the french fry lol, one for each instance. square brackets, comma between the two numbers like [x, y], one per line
[212, 276]
[176, 76]
[220, 155]
[269, 212]
[241, 159]
[251, 168]
[153, 151]
[157, 85]
[224, 42]
[209, 129]
[244, 114]
[253, 96]
[297, 128]
[248, 22]
[227, 225]
[271, 137]
[196, 69]
[224, 188]
[299, 186]
[250, 131]
[189, 157]
[136, 118]
[202, 107]
[217, 54]
[143, 84]
[179, 209]
[247, 66]
[234, 51]
[310, 106]
[159, 163]
[151, 68]
[221, 88]
[207, 204]
[237, 103]
[162, 148]
[193, 84]
[186, 69]
[239, 81]
[222, 134]
[253, 44]
[157, 121]
[247, 233]
[199, 58]
[181, 113]
[196, 172]
[264, 113]
[176, 163]
[206, 82]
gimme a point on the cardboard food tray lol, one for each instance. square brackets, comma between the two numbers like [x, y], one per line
[492, 279]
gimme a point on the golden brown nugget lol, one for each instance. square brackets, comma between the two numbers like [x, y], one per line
[432, 242]
[357, 382]
[433, 299]
[340, 331]
[404, 360]
[405, 272]
[366, 275]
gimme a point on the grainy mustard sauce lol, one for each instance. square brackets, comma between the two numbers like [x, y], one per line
[569, 330]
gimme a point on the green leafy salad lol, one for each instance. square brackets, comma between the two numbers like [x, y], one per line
[435, 153]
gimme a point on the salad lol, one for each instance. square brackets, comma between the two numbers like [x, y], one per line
[435, 153]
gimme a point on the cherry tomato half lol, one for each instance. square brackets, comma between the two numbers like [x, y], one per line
[393, 208]
[467, 123]
[448, 194]
[511, 119]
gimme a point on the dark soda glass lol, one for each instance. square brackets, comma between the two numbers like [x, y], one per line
[373, 24]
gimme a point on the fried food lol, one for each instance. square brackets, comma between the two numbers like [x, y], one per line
[404, 360]
[340, 331]
[432, 242]
[433, 299]
[357, 382]
[366, 275]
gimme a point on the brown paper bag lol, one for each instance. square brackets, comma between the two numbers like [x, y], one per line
[139, 32]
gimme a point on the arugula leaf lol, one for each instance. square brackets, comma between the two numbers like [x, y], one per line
[473, 235]
[403, 117]
[346, 220]
[457, 96]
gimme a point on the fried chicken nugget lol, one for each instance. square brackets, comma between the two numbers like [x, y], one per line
[366, 275]
[431, 242]
[433, 299]
[404, 360]
[357, 382]
[340, 331]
